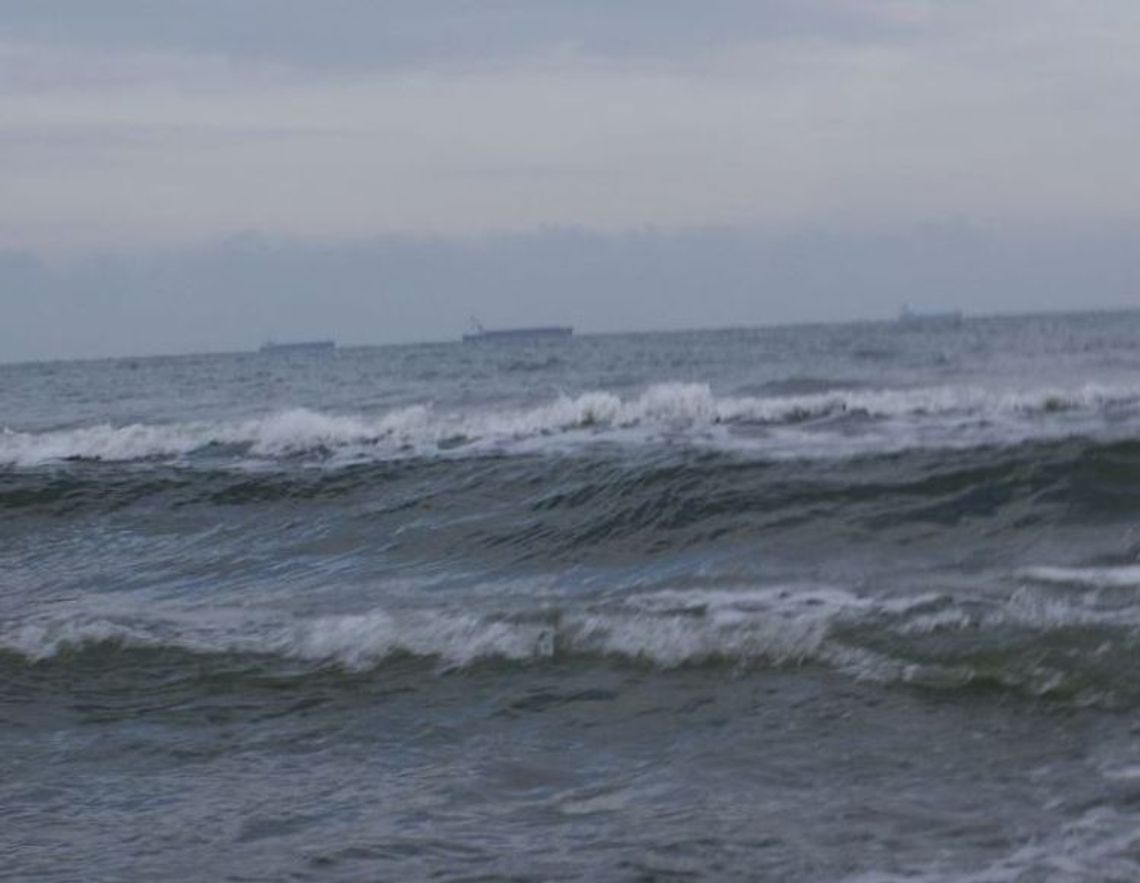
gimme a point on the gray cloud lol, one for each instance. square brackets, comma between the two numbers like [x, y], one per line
[1014, 124]
[429, 144]
[371, 33]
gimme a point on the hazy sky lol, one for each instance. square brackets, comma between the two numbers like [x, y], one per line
[192, 174]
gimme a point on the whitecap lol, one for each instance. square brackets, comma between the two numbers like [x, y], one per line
[949, 416]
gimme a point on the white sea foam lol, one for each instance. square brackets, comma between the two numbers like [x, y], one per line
[1026, 607]
[1122, 577]
[772, 625]
[1099, 846]
[667, 629]
[42, 639]
[363, 640]
[929, 416]
[354, 641]
[673, 628]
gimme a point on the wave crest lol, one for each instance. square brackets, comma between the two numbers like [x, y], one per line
[686, 410]
[1078, 648]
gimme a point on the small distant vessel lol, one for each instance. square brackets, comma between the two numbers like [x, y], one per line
[909, 318]
[478, 332]
[300, 346]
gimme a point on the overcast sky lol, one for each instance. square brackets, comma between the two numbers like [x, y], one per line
[200, 174]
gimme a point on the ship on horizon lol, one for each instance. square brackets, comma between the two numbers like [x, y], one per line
[479, 333]
[272, 346]
[910, 318]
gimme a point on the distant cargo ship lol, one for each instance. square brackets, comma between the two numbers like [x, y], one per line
[300, 346]
[909, 318]
[515, 334]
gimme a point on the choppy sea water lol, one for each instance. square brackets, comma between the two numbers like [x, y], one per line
[853, 603]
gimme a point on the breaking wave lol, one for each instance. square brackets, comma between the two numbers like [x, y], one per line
[667, 629]
[779, 425]
[1081, 647]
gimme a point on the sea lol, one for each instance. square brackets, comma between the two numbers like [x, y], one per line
[851, 602]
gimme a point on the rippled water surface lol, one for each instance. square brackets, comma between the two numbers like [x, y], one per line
[825, 603]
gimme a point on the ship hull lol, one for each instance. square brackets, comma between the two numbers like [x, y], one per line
[519, 334]
[305, 346]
